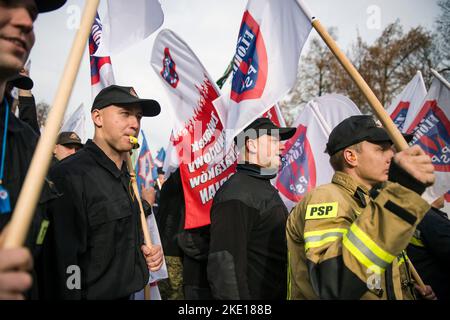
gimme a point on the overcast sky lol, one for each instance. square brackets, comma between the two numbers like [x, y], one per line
[210, 28]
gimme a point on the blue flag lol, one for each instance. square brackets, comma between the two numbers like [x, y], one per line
[158, 163]
[144, 166]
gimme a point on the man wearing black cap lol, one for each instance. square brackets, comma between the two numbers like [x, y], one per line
[95, 225]
[68, 143]
[347, 243]
[18, 139]
[248, 255]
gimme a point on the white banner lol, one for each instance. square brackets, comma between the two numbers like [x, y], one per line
[127, 23]
[76, 123]
[407, 104]
[431, 129]
[305, 165]
[268, 50]
[198, 137]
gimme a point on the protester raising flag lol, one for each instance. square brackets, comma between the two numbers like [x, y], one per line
[270, 41]
[76, 122]
[431, 129]
[408, 102]
[101, 69]
[127, 23]
[198, 136]
[305, 165]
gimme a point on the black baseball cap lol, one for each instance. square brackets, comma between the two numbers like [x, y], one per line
[68, 137]
[21, 81]
[49, 5]
[353, 130]
[262, 126]
[124, 96]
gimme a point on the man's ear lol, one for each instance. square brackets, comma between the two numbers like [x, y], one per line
[97, 118]
[350, 157]
[252, 145]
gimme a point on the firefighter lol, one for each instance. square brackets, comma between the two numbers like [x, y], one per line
[347, 243]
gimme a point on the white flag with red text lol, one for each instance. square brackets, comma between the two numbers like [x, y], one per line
[198, 136]
[304, 164]
[431, 129]
[268, 49]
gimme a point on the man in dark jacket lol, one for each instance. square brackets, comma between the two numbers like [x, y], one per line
[429, 250]
[248, 254]
[18, 143]
[94, 247]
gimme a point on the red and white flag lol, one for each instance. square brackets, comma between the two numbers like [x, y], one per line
[275, 115]
[431, 129]
[101, 68]
[198, 136]
[406, 105]
[305, 165]
[269, 44]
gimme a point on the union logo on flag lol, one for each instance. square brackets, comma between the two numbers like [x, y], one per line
[297, 174]
[431, 133]
[168, 71]
[250, 62]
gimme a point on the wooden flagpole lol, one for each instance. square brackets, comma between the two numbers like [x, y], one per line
[145, 231]
[393, 132]
[26, 204]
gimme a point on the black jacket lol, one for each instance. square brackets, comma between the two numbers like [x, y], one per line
[429, 251]
[248, 251]
[28, 114]
[170, 214]
[20, 145]
[94, 225]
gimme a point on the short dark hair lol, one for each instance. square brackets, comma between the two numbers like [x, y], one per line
[337, 160]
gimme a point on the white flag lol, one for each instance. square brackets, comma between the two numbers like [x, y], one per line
[128, 22]
[197, 136]
[305, 165]
[431, 129]
[76, 122]
[268, 50]
[405, 106]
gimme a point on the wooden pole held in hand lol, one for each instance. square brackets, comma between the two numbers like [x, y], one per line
[34, 181]
[145, 231]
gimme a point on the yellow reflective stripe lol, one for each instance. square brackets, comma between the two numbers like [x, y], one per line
[379, 252]
[360, 256]
[314, 239]
[322, 232]
[416, 242]
[316, 244]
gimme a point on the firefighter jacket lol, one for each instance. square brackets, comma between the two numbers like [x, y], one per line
[344, 244]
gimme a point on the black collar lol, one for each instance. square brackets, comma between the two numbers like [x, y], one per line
[255, 170]
[102, 159]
